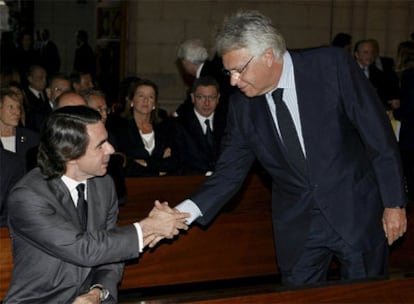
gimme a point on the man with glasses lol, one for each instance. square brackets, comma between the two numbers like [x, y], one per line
[200, 129]
[314, 122]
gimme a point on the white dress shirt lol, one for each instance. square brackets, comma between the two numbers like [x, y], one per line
[72, 184]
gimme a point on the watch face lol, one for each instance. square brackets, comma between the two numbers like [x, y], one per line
[104, 294]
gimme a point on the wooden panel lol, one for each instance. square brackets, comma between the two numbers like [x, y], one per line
[238, 244]
[6, 261]
[387, 291]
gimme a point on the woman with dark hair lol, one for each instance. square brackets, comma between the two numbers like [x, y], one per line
[145, 138]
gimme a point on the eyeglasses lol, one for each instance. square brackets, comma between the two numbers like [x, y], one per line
[204, 97]
[102, 110]
[61, 90]
[237, 72]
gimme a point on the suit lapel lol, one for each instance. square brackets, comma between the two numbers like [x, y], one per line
[309, 102]
[63, 197]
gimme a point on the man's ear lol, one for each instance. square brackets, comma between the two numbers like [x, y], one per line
[192, 98]
[269, 56]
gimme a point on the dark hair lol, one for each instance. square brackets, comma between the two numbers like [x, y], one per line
[155, 118]
[205, 82]
[34, 68]
[361, 42]
[75, 76]
[57, 76]
[82, 36]
[63, 138]
[341, 40]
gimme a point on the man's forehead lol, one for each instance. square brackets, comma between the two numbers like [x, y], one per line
[206, 87]
[97, 132]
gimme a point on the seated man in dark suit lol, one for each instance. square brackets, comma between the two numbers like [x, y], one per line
[67, 247]
[199, 129]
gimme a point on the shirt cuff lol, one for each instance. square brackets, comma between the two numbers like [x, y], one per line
[190, 207]
[140, 237]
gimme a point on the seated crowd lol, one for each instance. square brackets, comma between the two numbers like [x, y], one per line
[151, 142]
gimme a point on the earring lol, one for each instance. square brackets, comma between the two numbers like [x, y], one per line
[132, 105]
[153, 108]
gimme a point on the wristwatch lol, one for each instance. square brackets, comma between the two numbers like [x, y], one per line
[104, 293]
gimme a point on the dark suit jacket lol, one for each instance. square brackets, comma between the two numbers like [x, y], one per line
[129, 142]
[405, 113]
[50, 58]
[54, 260]
[195, 156]
[37, 116]
[385, 82]
[27, 142]
[353, 166]
[11, 170]
[85, 60]
[34, 102]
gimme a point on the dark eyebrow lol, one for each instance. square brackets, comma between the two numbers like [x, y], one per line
[101, 142]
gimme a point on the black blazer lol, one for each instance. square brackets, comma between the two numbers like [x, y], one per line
[405, 113]
[353, 165]
[195, 156]
[385, 83]
[27, 142]
[129, 142]
[11, 170]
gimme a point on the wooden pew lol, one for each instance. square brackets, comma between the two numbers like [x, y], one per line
[387, 291]
[239, 243]
[6, 261]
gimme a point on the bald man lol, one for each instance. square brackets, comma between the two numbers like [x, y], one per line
[70, 99]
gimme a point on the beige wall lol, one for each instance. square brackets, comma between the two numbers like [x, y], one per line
[155, 28]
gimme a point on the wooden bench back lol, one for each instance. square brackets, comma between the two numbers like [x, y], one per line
[238, 244]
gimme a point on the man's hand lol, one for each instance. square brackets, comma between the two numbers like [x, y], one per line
[394, 221]
[162, 222]
[92, 297]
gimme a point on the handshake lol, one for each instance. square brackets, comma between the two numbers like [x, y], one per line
[162, 222]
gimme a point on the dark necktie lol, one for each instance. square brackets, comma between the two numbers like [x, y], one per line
[288, 133]
[42, 97]
[366, 71]
[209, 134]
[82, 206]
